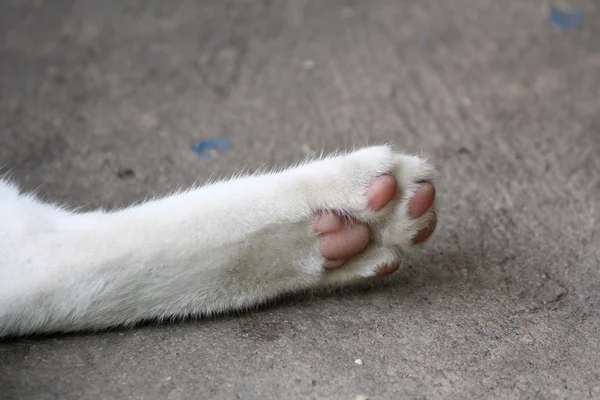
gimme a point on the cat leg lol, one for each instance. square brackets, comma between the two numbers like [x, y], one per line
[225, 246]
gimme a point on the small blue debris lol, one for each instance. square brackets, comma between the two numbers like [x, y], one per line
[565, 19]
[207, 148]
[513, 327]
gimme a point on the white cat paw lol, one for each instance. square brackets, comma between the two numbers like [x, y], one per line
[340, 185]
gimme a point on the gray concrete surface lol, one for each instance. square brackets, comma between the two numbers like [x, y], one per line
[502, 303]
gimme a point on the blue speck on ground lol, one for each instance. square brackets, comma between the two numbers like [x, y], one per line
[565, 19]
[207, 148]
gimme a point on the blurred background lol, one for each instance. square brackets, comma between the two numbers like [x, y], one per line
[103, 103]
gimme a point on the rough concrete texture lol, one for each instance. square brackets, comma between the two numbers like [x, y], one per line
[502, 303]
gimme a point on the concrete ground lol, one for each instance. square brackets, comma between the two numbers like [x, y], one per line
[100, 102]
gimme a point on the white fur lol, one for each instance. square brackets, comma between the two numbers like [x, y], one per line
[225, 246]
